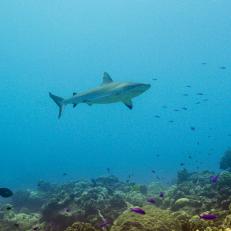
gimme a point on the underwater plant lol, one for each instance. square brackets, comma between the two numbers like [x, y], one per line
[225, 162]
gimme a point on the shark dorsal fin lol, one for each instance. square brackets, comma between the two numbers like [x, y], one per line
[107, 78]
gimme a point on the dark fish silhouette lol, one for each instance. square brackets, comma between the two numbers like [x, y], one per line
[223, 67]
[192, 128]
[5, 192]
[8, 208]
[162, 194]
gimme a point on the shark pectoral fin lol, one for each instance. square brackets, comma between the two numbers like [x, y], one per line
[107, 78]
[74, 105]
[128, 103]
[74, 93]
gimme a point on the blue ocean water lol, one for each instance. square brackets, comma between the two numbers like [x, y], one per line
[65, 46]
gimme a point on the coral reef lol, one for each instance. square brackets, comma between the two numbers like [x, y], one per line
[103, 204]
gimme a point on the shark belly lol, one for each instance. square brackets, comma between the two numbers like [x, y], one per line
[105, 99]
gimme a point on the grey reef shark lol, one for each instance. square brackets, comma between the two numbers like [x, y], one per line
[108, 92]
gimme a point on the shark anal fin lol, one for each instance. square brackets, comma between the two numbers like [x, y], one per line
[74, 93]
[107, 78]
[128, 103]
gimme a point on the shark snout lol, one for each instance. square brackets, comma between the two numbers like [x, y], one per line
[142, 87]
[145, 86]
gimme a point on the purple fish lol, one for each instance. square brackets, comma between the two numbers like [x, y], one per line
[162, 194]
[138, 210]
[151, 200]
[214, 179]
[208, 217]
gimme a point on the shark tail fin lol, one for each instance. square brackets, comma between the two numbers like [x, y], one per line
[59, 101]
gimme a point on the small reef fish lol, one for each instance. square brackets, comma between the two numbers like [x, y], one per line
[208, 217]
[151, 200]
[192, 128]
[138, 210]
[161, 195]
[214, 179]
[8, 208]
[108, 170]
[5, 192]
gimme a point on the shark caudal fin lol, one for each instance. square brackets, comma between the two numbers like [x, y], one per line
[59, 101]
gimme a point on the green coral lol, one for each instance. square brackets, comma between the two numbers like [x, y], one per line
[155, 219]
